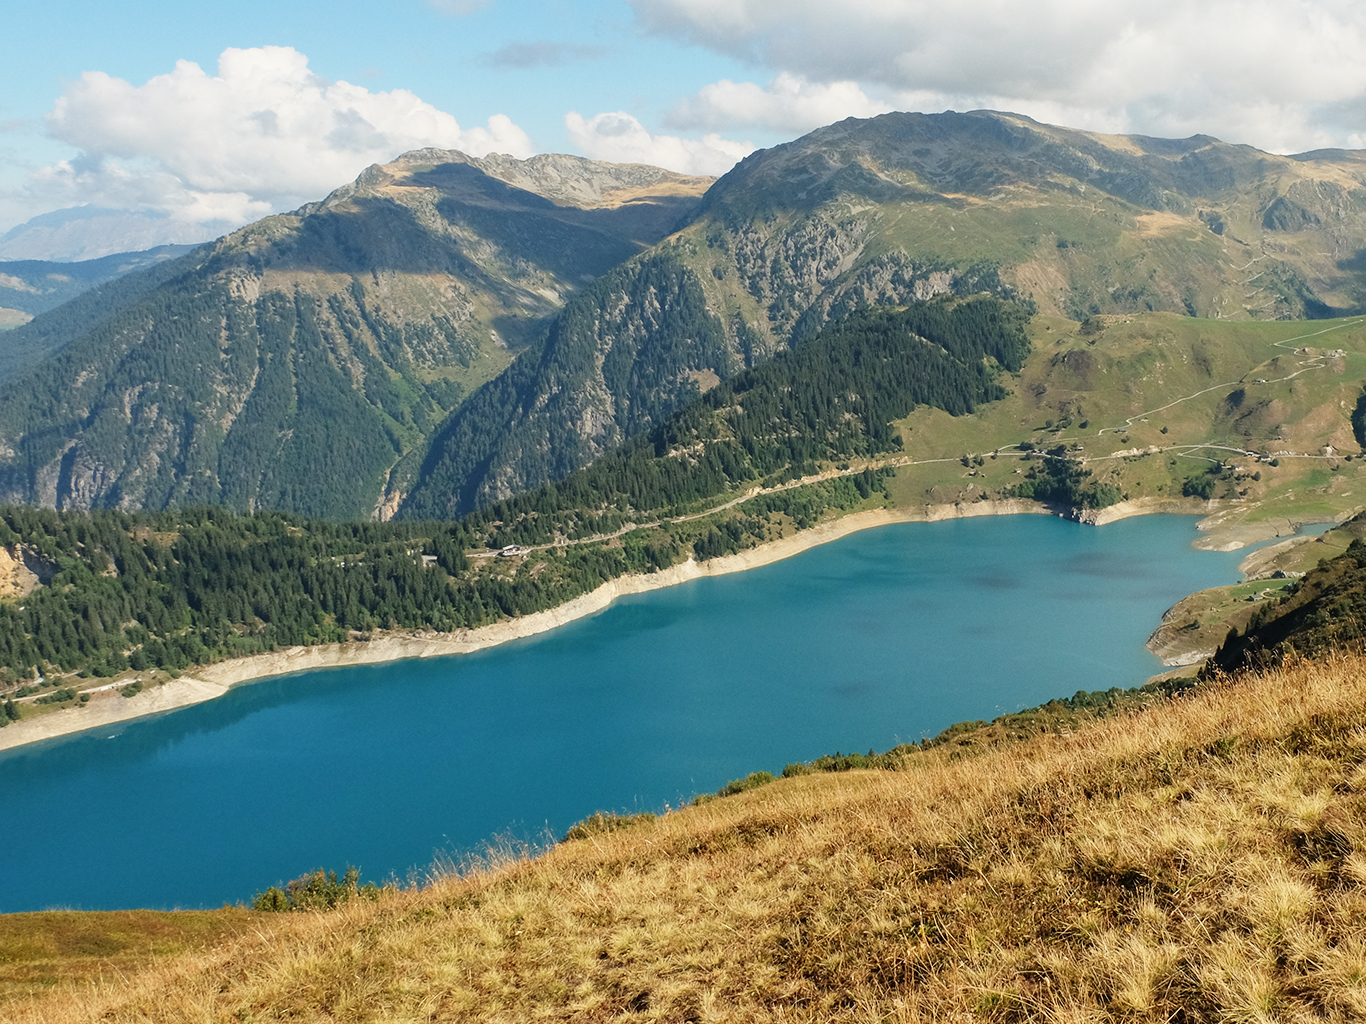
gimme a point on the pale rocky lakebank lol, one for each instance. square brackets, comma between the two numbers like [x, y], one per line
[108, 707]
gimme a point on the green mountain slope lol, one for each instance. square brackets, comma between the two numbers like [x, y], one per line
[1321, 612]
[319, 361]
[903, 207]
[293, 363]
[834, 399]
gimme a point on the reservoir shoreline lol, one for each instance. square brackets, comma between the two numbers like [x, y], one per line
[208, 682]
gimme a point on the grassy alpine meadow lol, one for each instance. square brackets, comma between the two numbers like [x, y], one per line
[61, 948]
[1201, 860]
[1256, 417]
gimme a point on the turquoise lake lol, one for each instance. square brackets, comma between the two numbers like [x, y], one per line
[880, 638]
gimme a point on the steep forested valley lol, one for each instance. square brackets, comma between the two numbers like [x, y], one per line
[168, 590]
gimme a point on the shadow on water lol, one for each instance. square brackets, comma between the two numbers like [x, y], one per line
[1111, 566]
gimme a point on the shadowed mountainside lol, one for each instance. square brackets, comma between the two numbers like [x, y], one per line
[294, 362]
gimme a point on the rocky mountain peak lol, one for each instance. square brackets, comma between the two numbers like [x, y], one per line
[564, 179]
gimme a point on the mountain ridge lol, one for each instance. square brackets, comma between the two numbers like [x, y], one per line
[31, 287]
[442, 267]
[903, 207]
[396, 296]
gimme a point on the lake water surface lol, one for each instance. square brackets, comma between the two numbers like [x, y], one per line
[880, 638]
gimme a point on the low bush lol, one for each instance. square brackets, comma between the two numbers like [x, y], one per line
[1198, 487]
[735, 786]
[837, 762]
[317, 890]
[603, 822]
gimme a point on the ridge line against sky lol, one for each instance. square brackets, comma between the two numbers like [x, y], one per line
[205, 118]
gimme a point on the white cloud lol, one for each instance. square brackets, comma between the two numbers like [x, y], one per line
[1275, 74]
[786, 104]
[620, 138]
[263, 134]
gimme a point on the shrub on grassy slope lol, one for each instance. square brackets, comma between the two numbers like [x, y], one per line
[316, 890]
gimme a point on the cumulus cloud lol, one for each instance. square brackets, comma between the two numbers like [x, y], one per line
[786, 104]
[620, 138]
[1274, 74]
[263, 134]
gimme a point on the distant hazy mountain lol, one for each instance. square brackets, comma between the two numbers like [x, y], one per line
[89, 232]
[30, 287]
[294, 362]
[356, 356]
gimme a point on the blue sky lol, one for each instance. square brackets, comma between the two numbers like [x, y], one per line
[95, 108]
[449, 61]
[534, 62]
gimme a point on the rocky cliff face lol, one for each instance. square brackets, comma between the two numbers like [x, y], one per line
[16, 579]
[621, 356]
[23, 570]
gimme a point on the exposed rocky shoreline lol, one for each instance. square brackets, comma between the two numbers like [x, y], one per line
[109, 707]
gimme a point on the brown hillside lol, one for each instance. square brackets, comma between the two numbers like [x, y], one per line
[1202, 861]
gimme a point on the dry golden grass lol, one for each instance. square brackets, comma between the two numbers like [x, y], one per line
[41, 950]
[1202, 861]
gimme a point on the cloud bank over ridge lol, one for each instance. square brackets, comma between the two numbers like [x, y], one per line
[787, 104]
[620, 138]
[1275, 75]
[262, 134]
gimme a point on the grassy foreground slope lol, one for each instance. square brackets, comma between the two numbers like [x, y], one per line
[1199, 861]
